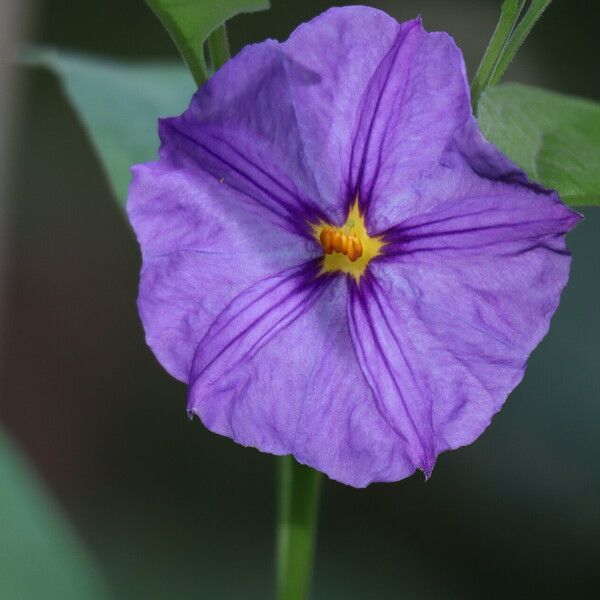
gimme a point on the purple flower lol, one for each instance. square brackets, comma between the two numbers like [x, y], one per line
[335, 260]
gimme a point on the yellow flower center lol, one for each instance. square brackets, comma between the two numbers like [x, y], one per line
[347, 248]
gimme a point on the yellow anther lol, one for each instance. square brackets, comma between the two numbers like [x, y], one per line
[333, 240]
[348, 248]
[325, 237]
[355, 249]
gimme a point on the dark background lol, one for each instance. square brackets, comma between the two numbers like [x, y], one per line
[170, 510]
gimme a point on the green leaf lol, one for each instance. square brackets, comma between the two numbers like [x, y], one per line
[569, 160]
[554, 138]
[190, 22]
[119, 105]
[40, 556]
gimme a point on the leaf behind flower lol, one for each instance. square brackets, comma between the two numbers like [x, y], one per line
[40, 555]
[555, 138]
[190, 22]
[119, 104]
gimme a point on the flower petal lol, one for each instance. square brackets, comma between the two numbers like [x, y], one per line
[202, 243]
[388, 99]
[242, 128]
[448, 316]
[277, 371]
[478, 200]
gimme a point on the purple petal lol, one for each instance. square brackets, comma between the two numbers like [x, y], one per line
[446, 320]
[277, 371]
[202, 243]
[388, 99]
[242, 128]
[477, 201]
[341, 49]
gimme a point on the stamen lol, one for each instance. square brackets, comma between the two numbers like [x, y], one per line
[333, 240]
[348, 248]
[326, 239]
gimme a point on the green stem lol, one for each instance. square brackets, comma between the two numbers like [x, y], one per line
[536, 8]
[509, 15]
[299, 490]
[218, 47]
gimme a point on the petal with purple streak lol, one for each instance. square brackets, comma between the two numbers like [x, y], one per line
[277, 371]
[242, 128]
[388, 100]
[202, 243]
[447, 317]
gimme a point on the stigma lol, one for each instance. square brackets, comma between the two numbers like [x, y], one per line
[349, 248]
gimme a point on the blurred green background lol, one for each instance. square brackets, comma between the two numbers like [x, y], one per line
[169, 510]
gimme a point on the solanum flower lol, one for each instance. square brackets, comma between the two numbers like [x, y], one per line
[334, 258]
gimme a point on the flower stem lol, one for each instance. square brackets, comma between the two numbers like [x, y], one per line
[523, 29]
[509, 15]
[299, 490]
[218, 47]
[509, 35]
